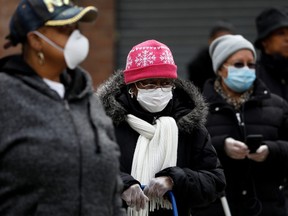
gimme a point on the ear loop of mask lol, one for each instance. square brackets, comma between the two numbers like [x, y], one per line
[48, 40]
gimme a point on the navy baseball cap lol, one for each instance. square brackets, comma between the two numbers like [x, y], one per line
[32, 14]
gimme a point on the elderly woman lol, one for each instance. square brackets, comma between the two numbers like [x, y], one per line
[159, 122]
[56, 143]
[241, 107]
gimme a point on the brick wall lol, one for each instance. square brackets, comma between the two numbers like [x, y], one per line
[101, 34]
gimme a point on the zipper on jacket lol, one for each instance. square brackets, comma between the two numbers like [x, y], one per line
[67, 107]
[238, 116]
[66, 104]
[241, 124]
[94, 128]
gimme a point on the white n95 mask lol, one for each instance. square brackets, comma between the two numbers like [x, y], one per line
[154, 100]
[76, 48]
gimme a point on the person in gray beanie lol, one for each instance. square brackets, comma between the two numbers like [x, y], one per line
[248, 127]
[225, 46]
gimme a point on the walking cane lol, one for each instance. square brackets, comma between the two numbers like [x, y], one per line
[172, 200]
[225, 205]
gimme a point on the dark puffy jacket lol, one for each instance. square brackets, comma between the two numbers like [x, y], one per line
[273, 72]
[198, 177]
[54, 152]
[251, 184]
[200, 68]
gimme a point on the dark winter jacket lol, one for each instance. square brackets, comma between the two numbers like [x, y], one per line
[198, 177]
[251, 184]
[200, 68]
[55, 153]
[273, 71]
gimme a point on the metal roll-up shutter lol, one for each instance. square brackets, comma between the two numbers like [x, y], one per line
[183, 25]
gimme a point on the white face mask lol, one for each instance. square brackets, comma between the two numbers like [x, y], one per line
[154, 100]
[76, 48]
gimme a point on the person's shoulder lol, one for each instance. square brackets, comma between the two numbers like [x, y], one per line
[14, 64]
[6, 78]
[191, 99]
[277, 98]
[3, 61]
[276, 102]
[201, 55]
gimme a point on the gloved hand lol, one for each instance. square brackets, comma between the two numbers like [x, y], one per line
[235, 149]
[157, 187]
[134, 197]
[260, 155]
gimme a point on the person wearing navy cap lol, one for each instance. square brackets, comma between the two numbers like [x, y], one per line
[56, 143]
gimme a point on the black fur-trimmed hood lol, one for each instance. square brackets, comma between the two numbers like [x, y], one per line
[196, 118]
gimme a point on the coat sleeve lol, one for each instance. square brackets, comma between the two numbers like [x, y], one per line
[128, 180]
[278, 149]
[218, 144]
[204, 181]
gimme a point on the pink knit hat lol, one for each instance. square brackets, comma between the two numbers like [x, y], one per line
[150, 59]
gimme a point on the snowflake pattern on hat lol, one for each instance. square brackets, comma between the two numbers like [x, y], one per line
[147, 56]
[167, 57]
[149, 59]
[129, 62]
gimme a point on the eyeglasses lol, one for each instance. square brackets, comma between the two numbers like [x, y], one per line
[165, 85]
[250, 65]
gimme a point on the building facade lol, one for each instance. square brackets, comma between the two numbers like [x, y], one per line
[183, 25]
[101, 34]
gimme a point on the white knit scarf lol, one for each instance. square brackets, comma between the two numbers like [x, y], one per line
[156, 149]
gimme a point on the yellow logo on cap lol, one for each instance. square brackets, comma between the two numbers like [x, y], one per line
[58, 3]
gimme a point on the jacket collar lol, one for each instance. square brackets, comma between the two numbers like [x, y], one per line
[188, 108]
[77, 83]
[260, 92]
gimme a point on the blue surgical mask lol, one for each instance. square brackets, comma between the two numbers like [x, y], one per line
[240, 79]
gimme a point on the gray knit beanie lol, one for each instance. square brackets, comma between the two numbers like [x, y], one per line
[224, 46]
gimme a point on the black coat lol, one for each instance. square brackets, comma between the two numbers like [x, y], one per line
[198, 177]
[273, 71]
[252, 184]
[200, 68]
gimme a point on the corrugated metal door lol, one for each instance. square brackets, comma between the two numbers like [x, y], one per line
[183, 25]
